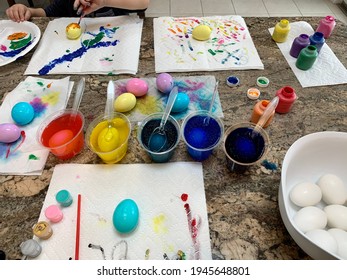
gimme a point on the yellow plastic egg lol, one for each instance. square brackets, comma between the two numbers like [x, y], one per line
[73, 31]
[125, 102]
[201, 32]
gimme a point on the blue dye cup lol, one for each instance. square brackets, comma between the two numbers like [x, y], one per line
[145, 130]
[243, 148]
[202, 132]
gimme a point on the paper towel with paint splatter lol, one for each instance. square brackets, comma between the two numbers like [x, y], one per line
[229, 47]
[108, 45]
[172, 209]
[26, 156]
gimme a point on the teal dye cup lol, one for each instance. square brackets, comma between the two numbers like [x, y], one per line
[147, 142]
[202, 132]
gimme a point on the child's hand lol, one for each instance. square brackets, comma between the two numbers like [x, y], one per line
[18, 13]
[88, 6]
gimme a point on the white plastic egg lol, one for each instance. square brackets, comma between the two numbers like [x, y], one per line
[310, 218]
[333, 189]
[341, 240]
[323, 239]
[306, 194]
[337, 216]
[125, 102]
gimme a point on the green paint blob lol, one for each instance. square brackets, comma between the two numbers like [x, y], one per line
[263, 82]
[33, 157]
[211, 52]
[40, 84]
[14, 45]
[95, 40]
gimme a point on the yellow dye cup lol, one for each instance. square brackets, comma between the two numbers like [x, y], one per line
[96, 129]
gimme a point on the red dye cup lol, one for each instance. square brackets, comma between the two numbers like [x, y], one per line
[62, 133]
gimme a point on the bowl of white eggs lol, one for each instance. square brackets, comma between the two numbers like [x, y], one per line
[313, 194]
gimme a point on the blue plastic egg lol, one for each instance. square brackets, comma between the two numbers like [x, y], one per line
[22, 113]
[126, 216]
[181, 103]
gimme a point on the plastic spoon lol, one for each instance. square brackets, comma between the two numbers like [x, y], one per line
[108, 137]
[158, 138]
[207, 119]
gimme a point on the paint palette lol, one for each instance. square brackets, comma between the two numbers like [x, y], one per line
[17, 39]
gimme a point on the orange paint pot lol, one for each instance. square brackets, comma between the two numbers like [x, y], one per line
[258, 111]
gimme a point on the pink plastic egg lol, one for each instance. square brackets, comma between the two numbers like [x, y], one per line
[60, 138]
[164, 82]
[9, 132]
[137, 87]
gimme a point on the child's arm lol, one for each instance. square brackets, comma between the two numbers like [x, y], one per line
[20, 12]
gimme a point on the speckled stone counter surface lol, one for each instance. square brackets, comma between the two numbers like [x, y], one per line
[244, 217]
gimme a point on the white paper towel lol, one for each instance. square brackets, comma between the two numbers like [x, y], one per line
[156, 188]
[327, 69]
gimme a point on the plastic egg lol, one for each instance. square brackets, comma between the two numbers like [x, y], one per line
[164, 82]
[333, 189]
[73, 31]
[125, 102]
[23, 113]
[310, 218]
[126, 216]
[181, 103]
[323, 239]
[201, 32]
[60, 138]
[337, 216]
[9, 132]
[306, 194]
[137, 87]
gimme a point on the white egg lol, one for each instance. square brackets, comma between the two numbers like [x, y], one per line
[341, 240]
[306, 194]
[323, 239]
[333, 189]
[337, 216]
[310, 218]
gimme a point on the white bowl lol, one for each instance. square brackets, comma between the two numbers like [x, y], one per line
[306, 160]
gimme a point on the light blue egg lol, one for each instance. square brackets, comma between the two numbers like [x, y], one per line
[22, 113]
[181, 103]
[126, 216]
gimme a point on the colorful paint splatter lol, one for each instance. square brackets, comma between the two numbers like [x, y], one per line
[17, 42]
[229, 47]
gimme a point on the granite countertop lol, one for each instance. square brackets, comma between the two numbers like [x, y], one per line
[243, 211]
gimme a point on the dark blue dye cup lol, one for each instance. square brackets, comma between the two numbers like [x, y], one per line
[243, 148]
[202, 132]
[172, 130]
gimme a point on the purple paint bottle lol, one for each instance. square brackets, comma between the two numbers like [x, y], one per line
[299, 43]
[317, 40]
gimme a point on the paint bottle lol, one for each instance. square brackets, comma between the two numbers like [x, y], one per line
[258, 111]
[299, 43]
[281, 31]
[307, 57]
[30, 248]
[326, 26]
[287, 97]
[64, 198]
[317, 39]
[42, 230]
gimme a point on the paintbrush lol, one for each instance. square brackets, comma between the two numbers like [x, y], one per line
[80, 11]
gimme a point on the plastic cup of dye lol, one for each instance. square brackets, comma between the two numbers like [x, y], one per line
[202, 132]
[145, 131]
[94, 131]
[62, 133]
[243, 147]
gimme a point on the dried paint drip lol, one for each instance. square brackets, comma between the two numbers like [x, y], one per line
[194, 225]
[180, 256]
[121, 246]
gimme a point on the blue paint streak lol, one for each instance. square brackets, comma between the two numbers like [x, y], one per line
[71, 56]
[15, 52]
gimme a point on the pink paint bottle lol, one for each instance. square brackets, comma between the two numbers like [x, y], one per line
[326, 26]
[287, 97]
